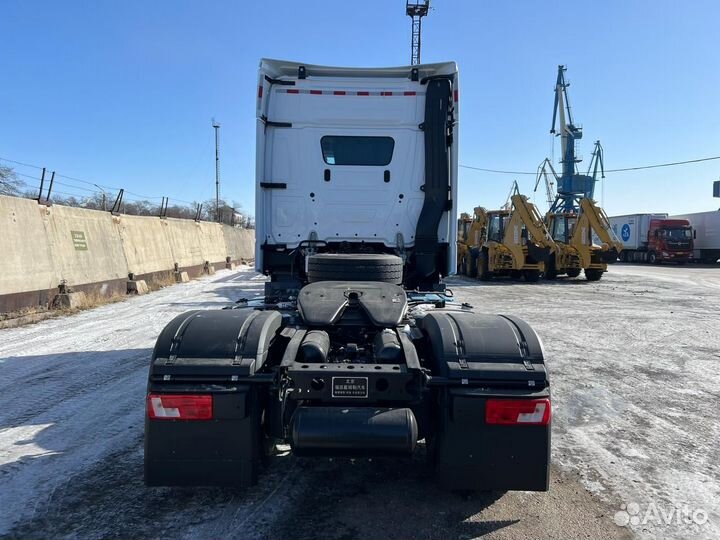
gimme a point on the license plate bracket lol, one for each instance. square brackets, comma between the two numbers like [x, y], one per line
[350, 387]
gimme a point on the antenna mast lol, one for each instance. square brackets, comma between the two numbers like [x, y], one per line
[416, 11]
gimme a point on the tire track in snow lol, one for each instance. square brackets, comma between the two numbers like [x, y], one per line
[72, 393]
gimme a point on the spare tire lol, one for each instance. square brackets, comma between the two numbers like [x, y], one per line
[355, 267]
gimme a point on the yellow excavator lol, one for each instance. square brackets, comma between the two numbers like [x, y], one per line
[463, 249]
[584, 242]
[511, 242]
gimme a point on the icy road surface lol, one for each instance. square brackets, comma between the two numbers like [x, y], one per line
[634, 364]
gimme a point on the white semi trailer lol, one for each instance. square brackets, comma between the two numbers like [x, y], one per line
[706, 234]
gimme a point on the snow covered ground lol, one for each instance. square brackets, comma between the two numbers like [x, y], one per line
[635, 366]
[634, 363]
[71, 389]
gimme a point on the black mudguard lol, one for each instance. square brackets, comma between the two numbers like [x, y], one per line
[481, 357]
[215, 342]
[217, 353]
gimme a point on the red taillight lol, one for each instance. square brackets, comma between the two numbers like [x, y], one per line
[316, 92]
[260, 91]
[293, 91]
[517, 411]
[363, 93]
[179, 407]
[339, 93]
[409, 93]
[455, 96]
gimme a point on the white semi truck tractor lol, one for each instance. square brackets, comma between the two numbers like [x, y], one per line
[357, 348]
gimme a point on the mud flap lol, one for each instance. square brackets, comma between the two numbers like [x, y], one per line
[472, 455]
[224, 451]
[479, 357]
[215, 353]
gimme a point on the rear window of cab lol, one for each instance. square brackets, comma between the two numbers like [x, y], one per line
[357, 150]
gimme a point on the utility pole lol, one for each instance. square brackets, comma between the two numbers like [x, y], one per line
[416, 10]
[104, 197]
[216, 127]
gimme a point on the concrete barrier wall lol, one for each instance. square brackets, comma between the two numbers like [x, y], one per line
[212, 242]
[84, 245]
[91, 250]
[27, 263]
[240, 243]
[145, 244]
[185, 241]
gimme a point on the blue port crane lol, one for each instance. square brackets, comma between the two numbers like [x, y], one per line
[571, 185]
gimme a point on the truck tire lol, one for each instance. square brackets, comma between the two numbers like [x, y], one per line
[483, 268]
[652, 258]
[469, 269]
[473, 262]
[551, 272]
[593, 274]
[532, 276]
[355, 267]
[573, 272]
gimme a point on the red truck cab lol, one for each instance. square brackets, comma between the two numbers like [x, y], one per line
[670, 240]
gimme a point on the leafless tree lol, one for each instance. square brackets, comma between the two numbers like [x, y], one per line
[9, 183]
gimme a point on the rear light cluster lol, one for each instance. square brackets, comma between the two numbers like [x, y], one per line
[517, 411]
[179, 407]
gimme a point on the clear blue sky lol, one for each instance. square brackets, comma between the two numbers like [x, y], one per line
[122, 93]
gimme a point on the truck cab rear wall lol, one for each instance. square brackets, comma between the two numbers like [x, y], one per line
[300, 105]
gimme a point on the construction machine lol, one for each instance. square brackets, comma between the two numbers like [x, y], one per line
[512, 241]
[464, 261]
[584, 241]
[471, 230]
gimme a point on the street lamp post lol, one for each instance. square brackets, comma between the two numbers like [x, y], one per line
[216, 127]
[104, 197]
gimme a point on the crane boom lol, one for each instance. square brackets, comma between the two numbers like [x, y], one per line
[542, 173]
[514, 190]
[597, 161]
[571, 186]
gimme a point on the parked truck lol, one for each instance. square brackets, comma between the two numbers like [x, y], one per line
[356, 348]
[653, 238]
[706, 235]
